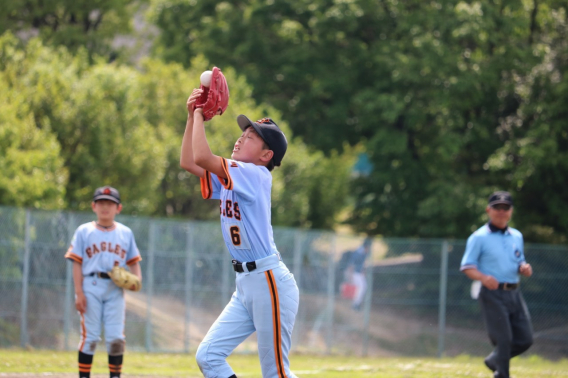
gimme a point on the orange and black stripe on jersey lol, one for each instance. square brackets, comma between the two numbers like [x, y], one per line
[134, 260]
[206, 186]
[273, 289]
[70, 255]
[228, 182]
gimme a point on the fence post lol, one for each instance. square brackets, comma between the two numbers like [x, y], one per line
[442, 301]
[188, 285]
[297, 259]
[150, 285]
[297, 271]
[331, 293]
[367, 309]
[69, 289]
[25, 279]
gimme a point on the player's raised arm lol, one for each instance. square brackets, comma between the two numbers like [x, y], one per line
[202, 154]
[186, 157]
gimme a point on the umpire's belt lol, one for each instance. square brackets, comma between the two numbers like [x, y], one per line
[99, 274]
[508, 286]
[238, 266]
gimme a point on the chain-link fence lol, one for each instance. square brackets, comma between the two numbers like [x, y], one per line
[417, 302]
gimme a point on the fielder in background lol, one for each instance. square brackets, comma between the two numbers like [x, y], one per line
[266, 297]
[356, 273]
[495, 256]
[97, 247]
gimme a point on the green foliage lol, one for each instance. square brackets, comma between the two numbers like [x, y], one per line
[535, 160]
[32, 169]
[75, 24]
[451, 100]
[110, 124]
[310, 189]
[93, 112]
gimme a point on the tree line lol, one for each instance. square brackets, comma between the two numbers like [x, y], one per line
[448, 100]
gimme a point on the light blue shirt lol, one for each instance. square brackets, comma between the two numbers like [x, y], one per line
[99, 249]
[244, 207]
[498, 254]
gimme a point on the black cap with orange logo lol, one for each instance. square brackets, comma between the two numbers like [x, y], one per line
[108, 193]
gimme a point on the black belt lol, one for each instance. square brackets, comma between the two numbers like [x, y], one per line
[508, 286]
[99, 274]
[238, 266]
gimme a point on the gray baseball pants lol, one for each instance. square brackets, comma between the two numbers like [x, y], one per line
[508, 324]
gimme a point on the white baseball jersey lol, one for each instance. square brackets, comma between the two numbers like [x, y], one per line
[244, 207]
[98, 249]
[266, 299]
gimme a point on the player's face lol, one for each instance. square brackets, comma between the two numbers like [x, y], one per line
[106, 210]
[500, 214]
[249, 147]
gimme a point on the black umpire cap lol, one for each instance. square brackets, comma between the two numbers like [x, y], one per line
[500, 197]
[270, 133]
[108, 193]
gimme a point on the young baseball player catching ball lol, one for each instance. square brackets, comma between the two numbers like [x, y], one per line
[100, 250]
[266, 297]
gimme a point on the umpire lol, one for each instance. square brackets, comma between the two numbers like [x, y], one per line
[495, 256]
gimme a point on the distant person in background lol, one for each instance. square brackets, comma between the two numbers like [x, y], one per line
[494, 255]
[356, 272]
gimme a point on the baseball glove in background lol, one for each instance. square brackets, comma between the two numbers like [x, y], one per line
[124, 279]
[215, 98]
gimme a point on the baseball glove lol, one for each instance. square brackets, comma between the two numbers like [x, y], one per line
[214, 98]
[123, 278]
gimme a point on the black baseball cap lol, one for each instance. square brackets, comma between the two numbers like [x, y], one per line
[500, 197]
[108, 193]
[270, 133]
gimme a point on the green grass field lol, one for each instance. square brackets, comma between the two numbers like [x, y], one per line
[20, 363]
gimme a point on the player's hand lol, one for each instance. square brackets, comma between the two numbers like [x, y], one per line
[490, 282]
[526, 270]
[81, 303]
[192, 98]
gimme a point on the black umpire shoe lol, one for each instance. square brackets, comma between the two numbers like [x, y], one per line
[490, 363]
[497, 375]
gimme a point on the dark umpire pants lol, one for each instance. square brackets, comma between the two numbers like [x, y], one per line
[509, 326]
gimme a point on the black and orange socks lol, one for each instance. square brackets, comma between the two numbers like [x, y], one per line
[85, 363]
[115, 366]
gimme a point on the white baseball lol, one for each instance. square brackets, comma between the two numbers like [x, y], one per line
[206, 78]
